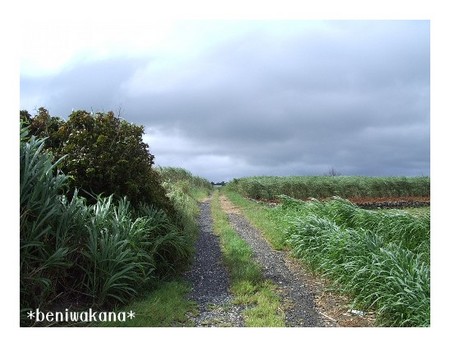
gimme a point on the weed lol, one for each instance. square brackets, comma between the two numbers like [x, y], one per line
[247, 283]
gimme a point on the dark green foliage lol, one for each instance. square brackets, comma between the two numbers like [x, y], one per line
[94, 255]
[45, 126]
[45, 223]
[103, 154]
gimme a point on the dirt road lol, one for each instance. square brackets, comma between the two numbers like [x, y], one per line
[305, 301]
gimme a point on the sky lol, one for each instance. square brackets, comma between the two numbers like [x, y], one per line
[232, 98]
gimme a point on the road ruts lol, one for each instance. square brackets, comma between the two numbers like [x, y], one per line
[210, 279]
[298, 299]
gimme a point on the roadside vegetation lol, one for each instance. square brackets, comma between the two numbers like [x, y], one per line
[304, 187]
[101, 227]
[380, 258]
[164, 306]
[97, 229]
[247, 283]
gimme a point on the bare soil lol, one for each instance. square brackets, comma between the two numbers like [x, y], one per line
[373, 202]
[391, 202]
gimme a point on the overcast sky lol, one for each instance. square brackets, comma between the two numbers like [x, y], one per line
[227, 99]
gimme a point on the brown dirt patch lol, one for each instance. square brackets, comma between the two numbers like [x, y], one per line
[228, 207]
[372, 202]
[332, 306]
[337, 306]
[391, 202]
[363, 200]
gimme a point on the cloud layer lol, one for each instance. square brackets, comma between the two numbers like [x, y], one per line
[229, 99]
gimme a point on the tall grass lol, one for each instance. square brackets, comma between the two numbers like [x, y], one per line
[304, 187]
[96, 255]
[380, 258]
[184, 191]
[47, 224]
[114, 262]
[179, 175]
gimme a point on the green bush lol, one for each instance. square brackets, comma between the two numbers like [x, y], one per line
[102, 154]
[95, 255]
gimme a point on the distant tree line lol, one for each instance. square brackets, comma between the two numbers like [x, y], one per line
[218, 183]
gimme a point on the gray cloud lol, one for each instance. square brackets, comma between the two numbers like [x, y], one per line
[270, 98]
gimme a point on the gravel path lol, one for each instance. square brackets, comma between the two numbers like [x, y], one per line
[210, 280]
[298, 296]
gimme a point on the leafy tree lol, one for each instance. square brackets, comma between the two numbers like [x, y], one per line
[43, 125]
[104, 154]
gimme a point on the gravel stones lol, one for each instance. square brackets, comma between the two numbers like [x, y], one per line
[210, 280]
[298, 300]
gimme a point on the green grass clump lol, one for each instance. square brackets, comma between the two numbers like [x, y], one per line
[165, 306]
[380, 258]
[48, 225]
[247, 283]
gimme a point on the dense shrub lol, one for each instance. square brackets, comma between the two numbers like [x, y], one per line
[87, 255]
[102, 154]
